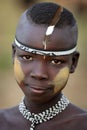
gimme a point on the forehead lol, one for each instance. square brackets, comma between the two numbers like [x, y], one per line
[33, 35]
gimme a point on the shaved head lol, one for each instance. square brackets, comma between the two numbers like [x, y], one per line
[48, 19]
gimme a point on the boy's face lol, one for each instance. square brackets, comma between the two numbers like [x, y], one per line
[43, 77]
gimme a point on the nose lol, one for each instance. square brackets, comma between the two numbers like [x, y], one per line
[39, 71]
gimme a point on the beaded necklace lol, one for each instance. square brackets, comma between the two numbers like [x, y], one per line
[44, 116]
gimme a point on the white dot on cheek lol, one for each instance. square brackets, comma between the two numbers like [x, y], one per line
[61, 79]
[19, 75]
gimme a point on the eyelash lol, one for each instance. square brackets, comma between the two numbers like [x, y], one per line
[53, 61]
[56, 62]
[27, 57]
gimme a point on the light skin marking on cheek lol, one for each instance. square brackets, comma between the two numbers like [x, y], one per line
[61, 79]
[19, 75]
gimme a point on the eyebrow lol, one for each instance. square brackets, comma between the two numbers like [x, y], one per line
[25, 48]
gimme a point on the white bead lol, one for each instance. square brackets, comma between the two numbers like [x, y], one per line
[50, 30]
[45, 115]
[31, 128]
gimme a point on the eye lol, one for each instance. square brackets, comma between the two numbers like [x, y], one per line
[56, 62]
[27, 57]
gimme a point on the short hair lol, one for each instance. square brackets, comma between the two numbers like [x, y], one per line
[42, 13]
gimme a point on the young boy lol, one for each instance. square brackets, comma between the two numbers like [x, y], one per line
[44, 55]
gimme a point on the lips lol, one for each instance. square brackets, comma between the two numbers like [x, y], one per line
[37, 88]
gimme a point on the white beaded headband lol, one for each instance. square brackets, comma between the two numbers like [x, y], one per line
[43, 52]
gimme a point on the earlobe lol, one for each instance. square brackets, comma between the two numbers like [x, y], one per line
[75, 59]
[13, 52]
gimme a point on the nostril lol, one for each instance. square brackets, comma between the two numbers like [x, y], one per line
[39, 76]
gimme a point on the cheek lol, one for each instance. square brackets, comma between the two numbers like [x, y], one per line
[61, 79]
[19, 75]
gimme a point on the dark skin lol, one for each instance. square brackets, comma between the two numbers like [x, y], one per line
[37, 100]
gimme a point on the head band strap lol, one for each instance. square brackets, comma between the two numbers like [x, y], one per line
[43, 52]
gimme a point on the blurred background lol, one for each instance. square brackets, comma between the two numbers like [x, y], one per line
[10, 11]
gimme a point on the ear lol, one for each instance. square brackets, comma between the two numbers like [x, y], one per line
[13, 52]
[75, 59]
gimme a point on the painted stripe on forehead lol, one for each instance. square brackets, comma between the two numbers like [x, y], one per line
[43, 52]
[51, 26]
[54, 21]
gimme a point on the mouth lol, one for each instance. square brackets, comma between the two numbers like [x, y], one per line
[39, 89]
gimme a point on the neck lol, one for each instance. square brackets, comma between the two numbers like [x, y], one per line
[44, 116]
[35, 107]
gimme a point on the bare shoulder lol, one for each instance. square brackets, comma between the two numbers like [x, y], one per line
[8, 112]
[77, 118]
[78, 121]
[2, 118]
[78, 113]
[7, 116]
[73, 118]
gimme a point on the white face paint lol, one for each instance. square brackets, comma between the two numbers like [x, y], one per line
[61, 79]
[19, 75]
[51, 27]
